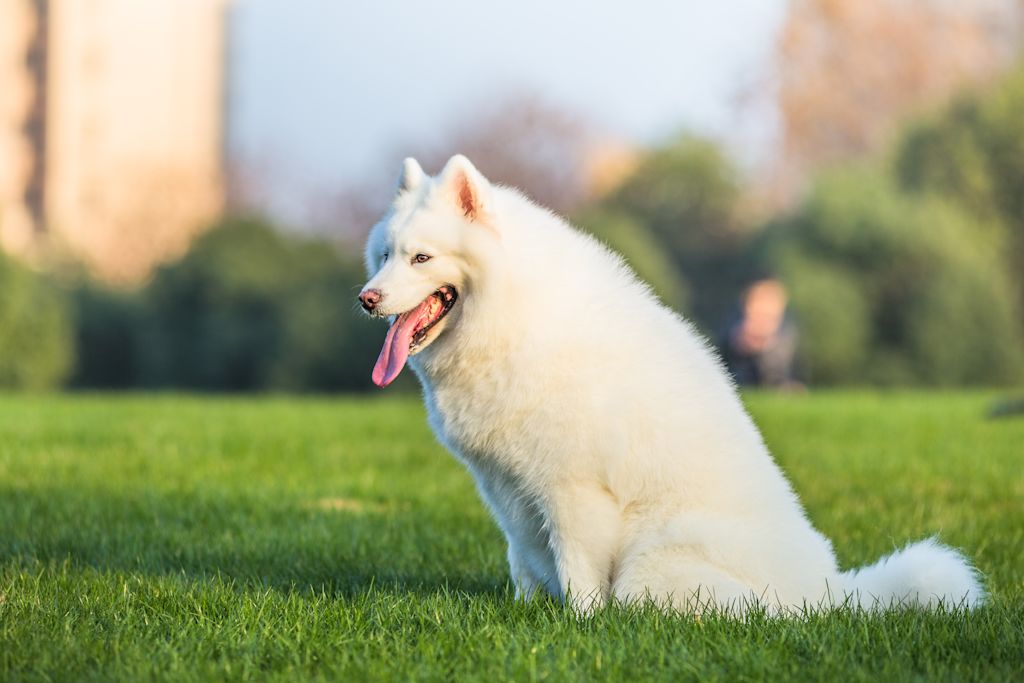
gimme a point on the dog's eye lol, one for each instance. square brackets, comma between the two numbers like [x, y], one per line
[420, 258]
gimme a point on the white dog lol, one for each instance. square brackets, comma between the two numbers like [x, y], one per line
[601, 430]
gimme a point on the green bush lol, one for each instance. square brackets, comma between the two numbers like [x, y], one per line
[36, 346]
[891, 288]
[251, 309]
[642, 251]
[108, 328]
[327, 343]
[834, 317]
[686, 196]
[973, 153]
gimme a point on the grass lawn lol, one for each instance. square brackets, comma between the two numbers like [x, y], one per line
[193, 538]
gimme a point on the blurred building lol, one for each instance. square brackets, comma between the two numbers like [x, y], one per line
[110, 128]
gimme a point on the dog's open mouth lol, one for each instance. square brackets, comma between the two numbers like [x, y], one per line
[409, 334]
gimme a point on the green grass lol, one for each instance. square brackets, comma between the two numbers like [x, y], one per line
[188, 538]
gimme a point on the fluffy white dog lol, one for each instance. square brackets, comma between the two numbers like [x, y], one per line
[601, 429]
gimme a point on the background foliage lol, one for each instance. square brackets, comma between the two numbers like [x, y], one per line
[896, 289]
[36, 346]
[247, 309]
[906, 267]
[683, 199]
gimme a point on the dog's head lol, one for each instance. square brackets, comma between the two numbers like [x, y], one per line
[419, 257]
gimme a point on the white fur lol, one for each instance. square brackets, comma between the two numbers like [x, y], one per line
[601, 430]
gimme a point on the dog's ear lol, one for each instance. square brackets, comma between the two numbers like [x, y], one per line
[412, 175]
[466, 187]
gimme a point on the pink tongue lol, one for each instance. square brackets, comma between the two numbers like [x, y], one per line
[396, 345]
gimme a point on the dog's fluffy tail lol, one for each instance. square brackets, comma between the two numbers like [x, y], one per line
[925, 573]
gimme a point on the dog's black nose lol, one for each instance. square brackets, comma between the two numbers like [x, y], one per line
[370, 298]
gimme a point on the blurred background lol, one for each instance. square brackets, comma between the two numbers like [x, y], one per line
[833, 190]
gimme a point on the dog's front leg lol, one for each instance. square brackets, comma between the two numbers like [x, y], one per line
[585, 527]
[526, 584]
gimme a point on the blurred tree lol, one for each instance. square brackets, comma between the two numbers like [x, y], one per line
[251, 309]
[973, 153]
[36, 344]
[527, 143]
[641, 250]
[328, 344]
[108, 328]
[521, 141]
[686, 195]
[848, 70]
[891, 288]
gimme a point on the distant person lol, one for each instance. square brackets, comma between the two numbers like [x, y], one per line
[759, 345]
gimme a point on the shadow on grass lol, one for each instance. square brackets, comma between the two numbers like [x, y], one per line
[291, 546]
[1007, 407]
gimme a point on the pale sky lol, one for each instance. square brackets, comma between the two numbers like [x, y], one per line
[320, 91]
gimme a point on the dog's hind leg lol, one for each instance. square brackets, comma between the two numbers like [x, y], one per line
[670, 577]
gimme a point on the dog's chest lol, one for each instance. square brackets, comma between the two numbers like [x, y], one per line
[486, 426]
